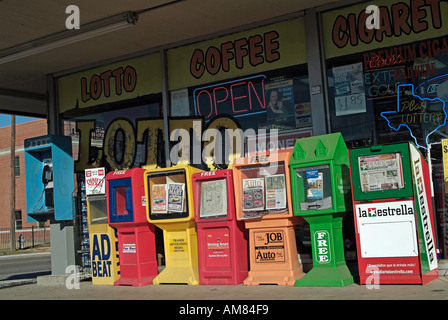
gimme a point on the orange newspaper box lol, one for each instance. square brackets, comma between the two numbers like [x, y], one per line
[263, 202]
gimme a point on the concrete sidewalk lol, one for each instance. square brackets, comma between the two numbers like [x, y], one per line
[435, 290]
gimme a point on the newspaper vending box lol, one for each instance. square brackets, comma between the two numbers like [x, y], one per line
[102, 237]
[222, 240]
[263, 202]
[393, 215]
[170, 207]
[126, 209]
[320, 191]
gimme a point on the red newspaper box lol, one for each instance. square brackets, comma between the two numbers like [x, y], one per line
[222, 240]
[126, 211]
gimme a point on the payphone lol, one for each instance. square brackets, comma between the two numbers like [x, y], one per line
[392, 198]
[49, 178]
[170, 207]
[126, 211]
[49, 194]
[222, 240]
[102, 237]
[263, 202]
[320, 183]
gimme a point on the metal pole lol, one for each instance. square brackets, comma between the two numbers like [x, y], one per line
[12, 220]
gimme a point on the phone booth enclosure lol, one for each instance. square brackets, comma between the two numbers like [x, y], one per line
[263, 202]
[320, 183]
[391, 197]
[126, 207]
[222, 240]
[49, 178]
[170, 207]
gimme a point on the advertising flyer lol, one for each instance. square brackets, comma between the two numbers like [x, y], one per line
[176, 197]
[349, 89]
[213, 198]
[269, 246]
[275, 192]
[315, 184]
[253, 194]
[381, 172]
[280, 104]
[95, 181]
[218, 248]
[159, 198]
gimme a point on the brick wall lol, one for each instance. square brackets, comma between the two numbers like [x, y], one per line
[23, 131]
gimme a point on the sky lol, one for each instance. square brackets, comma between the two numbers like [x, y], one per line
[5, 119]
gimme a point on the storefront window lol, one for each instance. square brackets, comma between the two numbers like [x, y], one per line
[273, 100]
[390, 95]
[114, 141]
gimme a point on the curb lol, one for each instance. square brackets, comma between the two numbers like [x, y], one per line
[23, 255]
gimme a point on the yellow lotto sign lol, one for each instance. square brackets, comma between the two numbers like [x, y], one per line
[119, 81]
[400, 22]
[266, 48]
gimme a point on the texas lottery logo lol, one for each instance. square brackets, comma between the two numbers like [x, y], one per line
[417, 114]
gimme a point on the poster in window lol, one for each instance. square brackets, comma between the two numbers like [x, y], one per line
[349, 91]
[253, 194]
[280, 104]
[159, 198]
[213, 198]
[381, 172]
[275, 192]
[315, 183]
[176, 197]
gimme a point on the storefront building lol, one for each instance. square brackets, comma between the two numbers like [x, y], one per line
[314, 72]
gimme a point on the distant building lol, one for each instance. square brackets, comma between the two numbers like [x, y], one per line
[23, 131]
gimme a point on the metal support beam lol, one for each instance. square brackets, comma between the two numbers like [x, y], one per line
[166, 105]
[316, 73]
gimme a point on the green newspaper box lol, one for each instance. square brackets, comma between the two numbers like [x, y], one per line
[320, 184]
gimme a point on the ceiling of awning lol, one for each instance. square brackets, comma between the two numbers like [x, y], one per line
[162, 23]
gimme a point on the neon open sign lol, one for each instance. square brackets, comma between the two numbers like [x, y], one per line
[238, 98]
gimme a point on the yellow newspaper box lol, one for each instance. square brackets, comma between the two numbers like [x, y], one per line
[169, 206]
[102, 237]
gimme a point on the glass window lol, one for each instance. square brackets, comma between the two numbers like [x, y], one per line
[120, 123]
[381, 96]
[277, 99]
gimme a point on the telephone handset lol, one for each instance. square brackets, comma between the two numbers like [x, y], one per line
[47, 174]
[47, 180]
